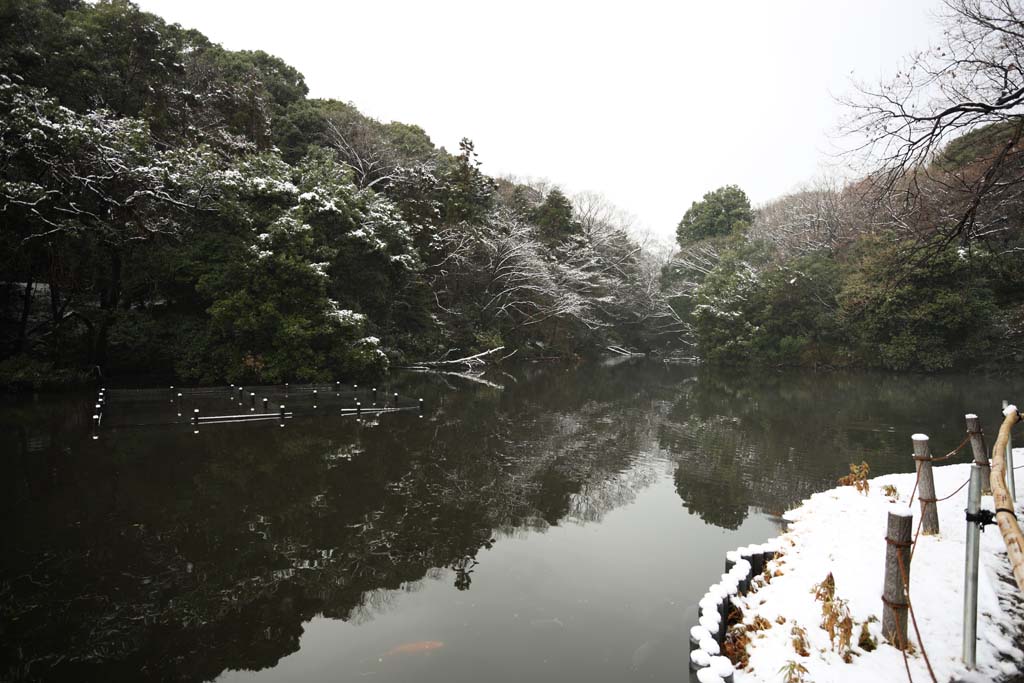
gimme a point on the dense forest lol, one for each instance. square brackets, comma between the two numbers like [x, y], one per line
[170, 207]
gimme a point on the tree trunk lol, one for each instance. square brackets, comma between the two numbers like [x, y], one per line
[26, 310]
[109, 299]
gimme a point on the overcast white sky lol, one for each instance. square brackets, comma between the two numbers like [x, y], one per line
[649, 103]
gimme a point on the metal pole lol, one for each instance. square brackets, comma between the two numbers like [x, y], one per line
[970, 644]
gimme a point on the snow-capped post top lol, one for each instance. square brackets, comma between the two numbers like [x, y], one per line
[1009, 410]
[919, 437]
[971, 416]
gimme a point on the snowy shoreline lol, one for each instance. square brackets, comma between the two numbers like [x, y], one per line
[841, 532]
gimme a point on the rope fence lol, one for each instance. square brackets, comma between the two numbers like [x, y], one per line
[980, 518]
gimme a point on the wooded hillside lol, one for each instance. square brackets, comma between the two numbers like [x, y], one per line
[170, 206]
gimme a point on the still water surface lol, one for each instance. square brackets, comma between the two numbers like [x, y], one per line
[560, 526]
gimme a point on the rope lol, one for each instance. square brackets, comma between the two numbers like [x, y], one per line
[958, 490]
[920, 519]
[917, 481]
[898, 544]
[913, 548]
[894, 605]
[902, 643]
[913, 545]
[928, 458]
[913, 617]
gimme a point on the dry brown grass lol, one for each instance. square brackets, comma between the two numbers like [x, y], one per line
[735, 646]
[799, 641]
[857, 477]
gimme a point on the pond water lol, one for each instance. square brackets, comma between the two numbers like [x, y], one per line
[558, 525]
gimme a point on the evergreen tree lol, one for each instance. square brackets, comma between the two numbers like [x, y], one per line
[720, 213]
[554, 218]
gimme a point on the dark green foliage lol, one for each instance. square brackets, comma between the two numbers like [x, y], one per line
[466, 193]
[882, 308]
[554, 217]
[720, 213]
[977, 144]
[918, 314]
[801, 321]
[728, 305]
[172, 207]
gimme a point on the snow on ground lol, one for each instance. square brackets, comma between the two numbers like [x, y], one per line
[843, 532]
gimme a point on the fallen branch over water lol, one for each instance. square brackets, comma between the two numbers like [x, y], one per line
[469, 361]
[469, 376]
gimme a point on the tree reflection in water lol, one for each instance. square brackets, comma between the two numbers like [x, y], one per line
[163, 554]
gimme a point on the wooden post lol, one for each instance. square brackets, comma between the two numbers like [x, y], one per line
[925, 485]
[1005, 517]
[265, 402]
[980, 452]
[894, 595]
[396, 399]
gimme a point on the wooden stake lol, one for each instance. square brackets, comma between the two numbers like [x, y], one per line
[894, 595]
[925, 485]
[1005, 518]
[978, 448]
